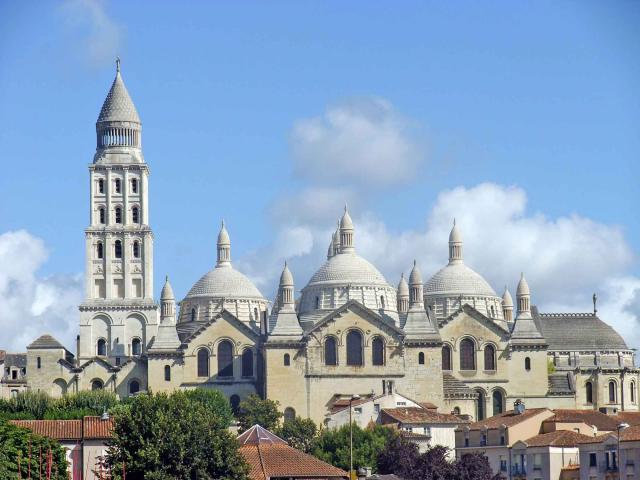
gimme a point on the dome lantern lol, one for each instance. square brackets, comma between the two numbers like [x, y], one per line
[346, 233]
[455, 244]
[224, 247]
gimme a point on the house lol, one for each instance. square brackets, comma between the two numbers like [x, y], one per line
[270, 457]
[604, 458]
[13, 374]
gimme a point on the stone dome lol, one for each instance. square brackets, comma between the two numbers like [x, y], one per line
[458, 279]
[224, 282]
[347, 268]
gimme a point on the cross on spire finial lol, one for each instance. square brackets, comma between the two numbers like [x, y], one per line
[117, 64]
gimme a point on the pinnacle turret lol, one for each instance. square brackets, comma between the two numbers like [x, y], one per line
[224, 247]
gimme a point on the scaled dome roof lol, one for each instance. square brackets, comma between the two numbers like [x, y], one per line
[347, 268]
[118, 105]
[458, 279]
[224, 282]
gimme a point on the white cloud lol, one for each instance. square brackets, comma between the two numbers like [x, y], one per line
[363, 142]
[99, 36]
[31, 305]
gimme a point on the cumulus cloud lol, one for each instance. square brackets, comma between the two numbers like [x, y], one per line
[31, 304]
[99, 36]
[361, 142]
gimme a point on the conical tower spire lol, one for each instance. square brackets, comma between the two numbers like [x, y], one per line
[346, 233]
[403, 295]
[507, 305]
[167, 337]
[418, 326]
[455, 244]
[224, 247]
[284, 320]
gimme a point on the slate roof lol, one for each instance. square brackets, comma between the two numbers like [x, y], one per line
[419, 415]
[559, 438]
[577, 331]
[118, 105]
[269, 457]
[507, 419]
[560, 384]
[15, 360]
[454, 387]
[45, 341]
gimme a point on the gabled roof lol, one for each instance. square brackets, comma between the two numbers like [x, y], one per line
[270, 457]
[508, 419]
[419, 415]
[473, 313]
[226, 315]
[559, 438]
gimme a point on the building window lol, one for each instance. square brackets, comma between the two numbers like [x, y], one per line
[118, 215]
[317, 303]
[489, 357]
[247, 363]
[234, 400]
[612, 392]
[589, 392]
[39, 362]
[498, 402]
[134, 387]
[225, 359]
[99, 250]
[100, 185]
[136, 249]
[101, 347]
[101, 215]
[382, 302]
[632, 392]
[193, 314]
[203, 362]
[97, 385]
[480, 405]
[593, 460]
[354, 348]
[134, 185]
[377, 351]
[135, 217]
[421, 358]
[456, 410]
[446, 357]
[493, 312]
[256, 317]
[467, 355]
[330, 352]
[117, 184]
[527, 364]
[287, 360]
[167, 373]
[117, 247]
[136, 347]
[289, 414]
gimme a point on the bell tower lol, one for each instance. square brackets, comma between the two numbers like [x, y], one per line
[118, 306]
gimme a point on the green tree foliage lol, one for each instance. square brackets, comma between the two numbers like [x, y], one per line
[299, 432]
[20, 443]
[39, 405]
[332, 445]
[162, 437]
[214, 401]
[254, 410]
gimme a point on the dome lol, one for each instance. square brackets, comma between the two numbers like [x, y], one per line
[458, 279]
[403, 288]
[224, 282]
[118, 106]
[415, 278]
[167, 291]
[223, 236]
[346, 222]
[347, 268]
[286, 279]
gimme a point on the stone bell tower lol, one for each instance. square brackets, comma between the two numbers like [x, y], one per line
[118, 316]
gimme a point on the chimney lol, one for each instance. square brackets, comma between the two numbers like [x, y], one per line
[518, 407]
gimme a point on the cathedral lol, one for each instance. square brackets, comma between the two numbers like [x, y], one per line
[450, 340]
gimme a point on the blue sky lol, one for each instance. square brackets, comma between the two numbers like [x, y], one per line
[530, 109]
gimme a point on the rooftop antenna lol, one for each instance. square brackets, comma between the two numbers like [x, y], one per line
[595, 301]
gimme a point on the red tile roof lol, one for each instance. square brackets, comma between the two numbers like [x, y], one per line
[507, 419]
[418, 415]
[559, 438]
[58, 429]
[95, 428]
[269, 456]
[631, 434]
[632, 418]
[604, 422]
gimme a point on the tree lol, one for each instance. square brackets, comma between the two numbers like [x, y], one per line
[162, 437]
[214, 401]
[20, 449]
[254, 410]
[332, 446]
[473, 466]
[399, 457]
[434, 465]
[299, 432]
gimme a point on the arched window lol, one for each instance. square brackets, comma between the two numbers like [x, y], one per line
[381, 301]
[354, 348]
[317, 303]
[527, 364]
[589, 392]
[421, 358]
[247, 363]
[377, 351]
[193, 314]
[134, 387]
[136, 249]
[135, 216]
[118, 215]
[101, 347]
[225, 359]
[632, 392]
[255, 315]
[99, 250]
[203, 362]
[134, 185]
[287, 360]
[489, 357]
[234, 400]
[118, 249]
[117, 183]
[467, 355]
[289, 414]
[456, 410]
[97, 385]
[612, 392]
[479, 405]
[101, 215]
[446, 357]
[498, 402]
[167, 373]
[100, 185]
[136, 347]
[330, 351]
